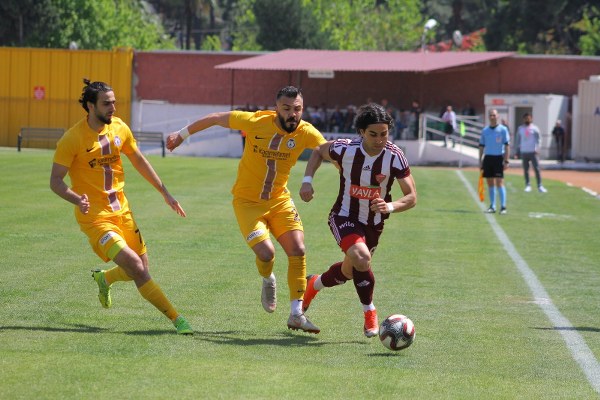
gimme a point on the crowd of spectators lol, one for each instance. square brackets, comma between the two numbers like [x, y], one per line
[341, 119]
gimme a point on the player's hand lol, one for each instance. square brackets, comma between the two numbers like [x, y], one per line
[84, 204]
[174, 204]
[307, 192]
[379, 205]
[173, 140]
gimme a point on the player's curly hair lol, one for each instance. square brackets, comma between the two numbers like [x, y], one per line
[289, 91]
[372, 113]
[90, 92]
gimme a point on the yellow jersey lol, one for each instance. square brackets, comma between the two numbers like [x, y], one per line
[95, 167]
[269, 154]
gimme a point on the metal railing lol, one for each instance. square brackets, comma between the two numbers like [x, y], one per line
[432, 128]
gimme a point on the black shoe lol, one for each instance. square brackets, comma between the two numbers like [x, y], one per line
[503, 211]
[490, 210]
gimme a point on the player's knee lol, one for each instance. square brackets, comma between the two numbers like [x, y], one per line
[361, 260]
[265, 255]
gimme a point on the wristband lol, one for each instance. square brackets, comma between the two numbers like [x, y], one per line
[307, 179]
[184, 133]
[390, 207]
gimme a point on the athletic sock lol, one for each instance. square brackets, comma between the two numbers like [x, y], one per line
[333, 276]
[116, 274]
[364, 282]
[153, 293]
[368, 307]
[297, 276]
[265, 268]
[492, 190]
[502, 191]
[296, 307]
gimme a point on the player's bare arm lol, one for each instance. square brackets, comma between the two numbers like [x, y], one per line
[406, 202]
[58, 186]
[219, 118]
[141, 164]
[506, 164]
[319, 154]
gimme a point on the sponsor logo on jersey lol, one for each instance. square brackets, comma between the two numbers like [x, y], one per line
[365, 192]
[367, 168]
[272, 154]
[254, 234]
[104, 239]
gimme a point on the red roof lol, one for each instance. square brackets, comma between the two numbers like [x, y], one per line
[382, 61]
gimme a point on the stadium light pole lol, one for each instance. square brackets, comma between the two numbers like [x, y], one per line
[429, 25]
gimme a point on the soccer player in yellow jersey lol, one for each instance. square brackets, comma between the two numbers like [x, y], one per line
[261, 200]
[90, 152]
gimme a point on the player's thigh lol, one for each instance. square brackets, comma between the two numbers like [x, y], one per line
[251, 220]
[105, 236]
[132, 235]
[283, 217]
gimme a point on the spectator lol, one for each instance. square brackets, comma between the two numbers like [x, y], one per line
[349, 120]
[528, 147]
[415, 112]
[336, 120]
[468, 110]
[449, 118]
[559, 137]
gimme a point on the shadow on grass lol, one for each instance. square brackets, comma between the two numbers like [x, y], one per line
[234, 338]
[285, 339]
[75, 328]
[571, 328]
[456, 211]
[386, 354]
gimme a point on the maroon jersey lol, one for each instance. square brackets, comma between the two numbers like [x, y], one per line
[363, 178]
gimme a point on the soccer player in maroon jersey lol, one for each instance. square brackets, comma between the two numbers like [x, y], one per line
[368, 167]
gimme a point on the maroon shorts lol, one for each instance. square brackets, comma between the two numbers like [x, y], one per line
[348, 231]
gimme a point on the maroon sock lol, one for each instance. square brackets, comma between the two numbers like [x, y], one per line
[333, 276]
[364, 282]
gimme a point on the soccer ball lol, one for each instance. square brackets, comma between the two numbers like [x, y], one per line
[397, 332]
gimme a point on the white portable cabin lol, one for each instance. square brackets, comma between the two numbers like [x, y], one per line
[544, 108]
[585, 142]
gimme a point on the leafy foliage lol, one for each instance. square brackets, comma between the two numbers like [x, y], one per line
[369, 25]
[102, 24]
[544, 27]
[528, 26]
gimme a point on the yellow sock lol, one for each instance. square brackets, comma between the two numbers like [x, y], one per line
[265, 268]
[116, 274]
[297, 276]
[153, 293]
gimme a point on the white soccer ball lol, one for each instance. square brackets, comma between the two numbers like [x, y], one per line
[397, 332]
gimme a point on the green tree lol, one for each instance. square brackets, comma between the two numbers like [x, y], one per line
[536, 26]
[286, 24]
[368, 24]
[589, 26]
[101, 24]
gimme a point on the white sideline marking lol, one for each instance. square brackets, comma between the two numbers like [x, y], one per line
[575, 343]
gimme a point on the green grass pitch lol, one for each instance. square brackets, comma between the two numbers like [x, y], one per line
[480, 333]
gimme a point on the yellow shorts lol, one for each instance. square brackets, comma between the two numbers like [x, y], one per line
[108, 236]
[257, 219]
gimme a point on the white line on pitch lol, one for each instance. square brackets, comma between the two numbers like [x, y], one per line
[575, 343]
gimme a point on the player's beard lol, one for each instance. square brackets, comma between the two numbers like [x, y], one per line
[290, 125]
[105, 119]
